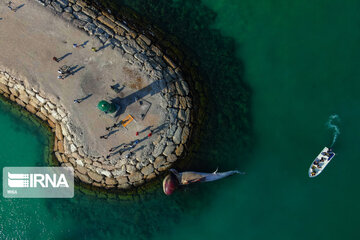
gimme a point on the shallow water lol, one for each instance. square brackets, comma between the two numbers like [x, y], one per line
[300, 60]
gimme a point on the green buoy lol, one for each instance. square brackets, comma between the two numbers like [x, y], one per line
[106, 107]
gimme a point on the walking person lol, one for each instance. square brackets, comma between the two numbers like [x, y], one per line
[134, 144]
[150, 134]
[10, 7]
[77, 101]
[55, 59]
[111, 128]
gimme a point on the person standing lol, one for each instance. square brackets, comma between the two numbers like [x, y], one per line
[104, 137]
[10, 7]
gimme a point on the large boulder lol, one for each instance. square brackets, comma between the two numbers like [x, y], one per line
[135, 177]
[159, 148]
[83, 178]
[94, 176]
[31, 108]
[185, 134]
[106, 21]
[171, 158]
[58, 132]
[147, 170]
[177, 135]
[82, 16]
[179, 150]
[41, 116]
[81, 169]
[122, 179]
[63, 3]
[110, 181]
[159, 161]
[169, 149]
[57, 6]
[89, 12]
[130, 168]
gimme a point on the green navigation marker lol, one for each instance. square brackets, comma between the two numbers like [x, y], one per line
[106, 106]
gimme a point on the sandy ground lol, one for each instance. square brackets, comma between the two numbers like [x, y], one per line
[32, 36]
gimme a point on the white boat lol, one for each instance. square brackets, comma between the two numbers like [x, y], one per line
[320, 162]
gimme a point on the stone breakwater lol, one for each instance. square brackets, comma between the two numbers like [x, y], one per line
[138, 50]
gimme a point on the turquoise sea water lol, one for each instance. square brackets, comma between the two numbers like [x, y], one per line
[298, 62]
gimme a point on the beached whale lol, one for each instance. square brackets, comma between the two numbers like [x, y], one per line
[174, 179]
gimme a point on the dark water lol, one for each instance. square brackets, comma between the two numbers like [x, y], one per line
[274, 72]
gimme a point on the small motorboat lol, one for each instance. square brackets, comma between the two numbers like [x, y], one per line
[320, 162]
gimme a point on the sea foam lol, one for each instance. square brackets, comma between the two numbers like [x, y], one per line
[331, 125]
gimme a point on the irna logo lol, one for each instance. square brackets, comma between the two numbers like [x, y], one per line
[38, 182]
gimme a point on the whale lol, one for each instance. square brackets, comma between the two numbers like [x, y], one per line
[175, 178]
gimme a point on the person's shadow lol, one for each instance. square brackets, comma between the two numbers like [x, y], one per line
[61, 58]
[18, 7]
[84, 98]
[75, 69]
[112, 132]
[84, 44]
[103, 47]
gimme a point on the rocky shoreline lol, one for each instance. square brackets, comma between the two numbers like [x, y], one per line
[138, 50]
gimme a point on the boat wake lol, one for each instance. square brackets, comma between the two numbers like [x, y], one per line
[331, 125]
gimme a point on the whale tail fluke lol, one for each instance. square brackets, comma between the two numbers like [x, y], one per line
[238, 172]
[232, 172]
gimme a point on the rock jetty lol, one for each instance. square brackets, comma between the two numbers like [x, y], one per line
[77, 144]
